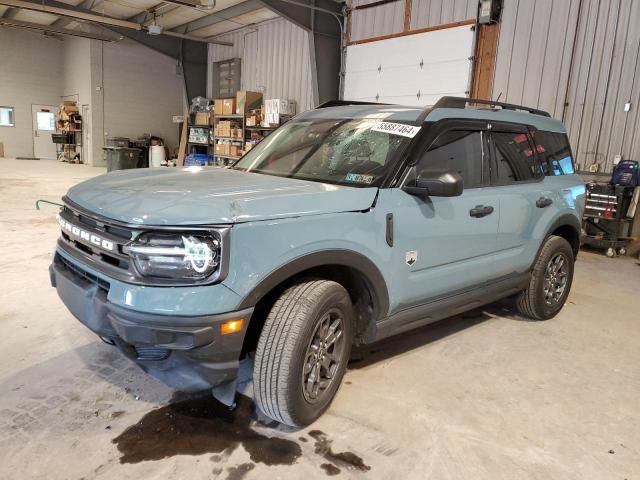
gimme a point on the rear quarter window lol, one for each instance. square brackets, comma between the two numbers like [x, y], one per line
[554, 153]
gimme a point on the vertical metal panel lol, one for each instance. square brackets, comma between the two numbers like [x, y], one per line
[534, 51]
[376, 21]
[605, 77]
[427, 13]
[275, 58]
[579, 61]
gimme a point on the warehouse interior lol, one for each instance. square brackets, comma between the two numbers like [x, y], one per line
[92, 88]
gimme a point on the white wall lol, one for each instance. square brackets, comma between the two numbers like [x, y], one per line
[129, 89]
[31, 67]
[77, 86]
[141, 92]
[275, 60]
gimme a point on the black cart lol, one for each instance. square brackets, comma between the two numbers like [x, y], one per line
[606, 224]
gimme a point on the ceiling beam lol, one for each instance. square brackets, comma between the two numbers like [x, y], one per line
[71, 11]
[62, 22]
[10, 22]
[82, 14]
[220, 16]
[161, 9]
[10, 13]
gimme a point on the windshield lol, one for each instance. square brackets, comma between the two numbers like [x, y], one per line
[355, 152]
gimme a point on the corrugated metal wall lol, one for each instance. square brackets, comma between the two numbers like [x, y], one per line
[577, 59]
[389, 18]
[534, 52]
[427, 13]
[275, 60]
[605, 76]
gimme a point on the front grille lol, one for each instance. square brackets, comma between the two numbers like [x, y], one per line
[80, 273]
[123, 234]
[94, 252]
[151, 353]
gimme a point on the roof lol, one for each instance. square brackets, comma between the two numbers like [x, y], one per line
[432, 114]
[177, 17]
[538, 121]
[386, 112]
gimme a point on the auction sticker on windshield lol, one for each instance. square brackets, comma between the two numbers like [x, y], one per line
[397, 129]
[357, 178]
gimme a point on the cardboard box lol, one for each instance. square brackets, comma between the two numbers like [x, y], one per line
[1, 150]
[224, 129]
[252, 121]
[228, 106]
[233, 150]
[246, 101]
[276, 108]
[218, 106]
[202, 118]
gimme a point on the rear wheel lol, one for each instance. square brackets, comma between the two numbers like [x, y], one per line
[303, 352]
[550, 281]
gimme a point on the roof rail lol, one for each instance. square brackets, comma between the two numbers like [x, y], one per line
[462, 102]
[342, 103]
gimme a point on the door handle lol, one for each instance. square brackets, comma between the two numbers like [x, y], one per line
[481, 211]
[543, 202]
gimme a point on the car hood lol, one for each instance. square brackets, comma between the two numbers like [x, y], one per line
[195, 196]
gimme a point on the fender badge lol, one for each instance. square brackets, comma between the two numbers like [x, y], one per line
[411, 257]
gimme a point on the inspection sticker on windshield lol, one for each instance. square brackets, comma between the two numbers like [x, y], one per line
[357, 178]
[397, 129]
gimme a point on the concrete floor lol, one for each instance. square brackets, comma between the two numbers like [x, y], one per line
[483, 396]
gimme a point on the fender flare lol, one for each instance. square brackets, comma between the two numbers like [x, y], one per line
[338, 257]
[565, 220]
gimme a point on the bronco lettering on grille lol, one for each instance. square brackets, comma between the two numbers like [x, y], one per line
[78, 232]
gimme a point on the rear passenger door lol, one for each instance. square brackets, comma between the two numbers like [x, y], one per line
[517, 183]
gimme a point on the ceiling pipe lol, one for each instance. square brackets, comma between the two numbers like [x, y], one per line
[199, 4]
[10, 22]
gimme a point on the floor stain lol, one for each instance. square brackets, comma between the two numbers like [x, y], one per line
[240, 471]
[202, 425]
[343, 459]
[330, 469]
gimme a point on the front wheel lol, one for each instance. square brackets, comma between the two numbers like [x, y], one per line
[303, 352]
[550, 282]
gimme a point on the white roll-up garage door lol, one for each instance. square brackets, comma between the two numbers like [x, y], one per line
[414, 69]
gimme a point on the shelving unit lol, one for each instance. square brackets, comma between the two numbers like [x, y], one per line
[205, 146]
[222, 142]
[68, 139]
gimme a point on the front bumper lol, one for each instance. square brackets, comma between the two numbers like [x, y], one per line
[187, 353]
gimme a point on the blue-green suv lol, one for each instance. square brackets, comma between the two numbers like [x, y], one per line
[350, 223]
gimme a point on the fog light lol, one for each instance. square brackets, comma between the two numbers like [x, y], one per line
[231, 326]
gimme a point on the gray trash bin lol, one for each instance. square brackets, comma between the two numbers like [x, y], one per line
[121, 158]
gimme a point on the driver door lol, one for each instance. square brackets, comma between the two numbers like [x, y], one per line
[445, 244]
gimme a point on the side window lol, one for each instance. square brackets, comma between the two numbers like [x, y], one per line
[515, 160]
[458, 151]
[555, 153]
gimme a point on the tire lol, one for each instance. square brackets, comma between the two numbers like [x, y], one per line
[290, 341]
[536, 302]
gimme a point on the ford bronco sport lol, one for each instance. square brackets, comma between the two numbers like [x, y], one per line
[350, 223]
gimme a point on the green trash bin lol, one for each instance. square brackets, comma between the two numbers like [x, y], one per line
[121, 158]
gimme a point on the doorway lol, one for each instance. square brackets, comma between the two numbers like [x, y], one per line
[44, 124]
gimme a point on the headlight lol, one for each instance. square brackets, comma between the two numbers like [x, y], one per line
[176, 256]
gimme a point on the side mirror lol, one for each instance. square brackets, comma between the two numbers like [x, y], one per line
[431, 183]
